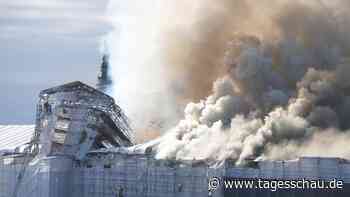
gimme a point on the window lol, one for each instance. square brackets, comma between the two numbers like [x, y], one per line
[59, 136]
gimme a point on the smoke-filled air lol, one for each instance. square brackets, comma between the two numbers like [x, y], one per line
[256, 79]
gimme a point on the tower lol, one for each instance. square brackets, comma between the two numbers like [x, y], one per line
[75, 118]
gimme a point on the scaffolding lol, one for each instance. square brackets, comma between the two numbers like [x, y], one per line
[143, 176]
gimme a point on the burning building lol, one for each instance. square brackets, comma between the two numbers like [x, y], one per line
[278, 109]
[82, 145]
[72, 120]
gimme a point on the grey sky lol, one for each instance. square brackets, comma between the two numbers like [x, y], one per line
[45, 43]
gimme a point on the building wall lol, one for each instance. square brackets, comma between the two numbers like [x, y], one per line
[141, 176]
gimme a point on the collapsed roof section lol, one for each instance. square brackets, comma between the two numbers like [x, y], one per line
[75, 118]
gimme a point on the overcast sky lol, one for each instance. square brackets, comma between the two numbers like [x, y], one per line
[45, 43]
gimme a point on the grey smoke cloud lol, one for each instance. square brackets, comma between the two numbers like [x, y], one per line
[278, 67]
[294, 88]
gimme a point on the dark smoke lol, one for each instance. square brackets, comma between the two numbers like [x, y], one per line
[280, 72]
[285, 88]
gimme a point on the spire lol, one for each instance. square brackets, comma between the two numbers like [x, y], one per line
[104, 80]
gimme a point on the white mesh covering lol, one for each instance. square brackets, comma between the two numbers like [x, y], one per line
[140, 176]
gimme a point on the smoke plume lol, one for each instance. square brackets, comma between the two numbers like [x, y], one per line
[279, 70]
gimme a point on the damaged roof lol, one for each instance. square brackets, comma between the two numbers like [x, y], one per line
[96, 99]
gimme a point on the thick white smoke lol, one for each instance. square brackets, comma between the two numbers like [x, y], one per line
[220, 128]
[279, 70]
[142, 84]
[139, 80]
